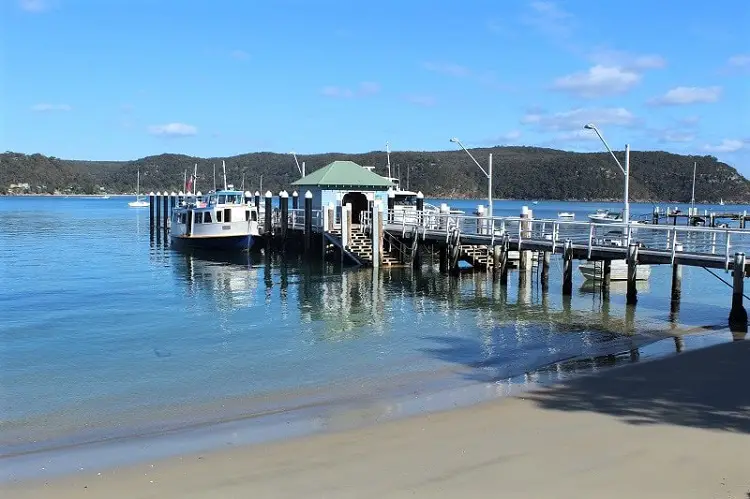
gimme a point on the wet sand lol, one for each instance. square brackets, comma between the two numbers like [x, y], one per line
[677, 427]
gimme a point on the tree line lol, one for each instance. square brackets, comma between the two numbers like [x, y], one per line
[519, 173]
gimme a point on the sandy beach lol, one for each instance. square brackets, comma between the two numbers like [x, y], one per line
[677, 427]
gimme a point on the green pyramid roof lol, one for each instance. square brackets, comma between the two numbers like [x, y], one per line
[344, 174]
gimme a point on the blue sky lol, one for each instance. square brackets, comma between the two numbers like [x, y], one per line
[122, 79]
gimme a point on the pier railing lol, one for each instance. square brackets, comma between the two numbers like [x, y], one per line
[721, 242]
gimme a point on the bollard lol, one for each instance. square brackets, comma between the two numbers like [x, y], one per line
[295, 200]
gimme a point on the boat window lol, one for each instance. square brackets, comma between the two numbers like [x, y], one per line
[198, 217]
[212, 201]
[222, 199]
[218, 216]
[247, 215]
[406, 201]
[255, 215]
[207, 217]
[227, 215]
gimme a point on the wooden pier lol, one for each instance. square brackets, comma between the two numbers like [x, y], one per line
[383, 235]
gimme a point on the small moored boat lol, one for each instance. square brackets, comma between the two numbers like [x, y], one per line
[594, 271]
[566, 214]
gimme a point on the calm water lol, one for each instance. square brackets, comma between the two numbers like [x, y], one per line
[107, 333]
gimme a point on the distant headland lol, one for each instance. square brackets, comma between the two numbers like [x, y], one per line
[519, 173]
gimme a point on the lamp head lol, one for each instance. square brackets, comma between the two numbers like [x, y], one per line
[590, 126]
[455, 140]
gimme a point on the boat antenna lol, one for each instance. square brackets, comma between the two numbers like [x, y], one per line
[224, 167]
[195, 179]
[388, 155]
[692, 198]
[214, 177]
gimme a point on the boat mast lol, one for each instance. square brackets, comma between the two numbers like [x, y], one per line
[138, 185]
[692, 198]
[224, 167]
[388, 154]
[195, 179]
[214, 177]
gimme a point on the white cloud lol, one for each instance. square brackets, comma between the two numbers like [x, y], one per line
[740, 60]
[690, 120]
[447, 68]
[574, 136]
[173, 130]
[240, 55]
[44, 107]
[35, 6]
[675, 136]
[622, 59]
[549, 19]
[422, 100]
[364, 89]
[726, 145]
[688, 95]
[575, 119]
[598, 81]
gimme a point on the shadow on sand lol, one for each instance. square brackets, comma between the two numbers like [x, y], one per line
[706, 388]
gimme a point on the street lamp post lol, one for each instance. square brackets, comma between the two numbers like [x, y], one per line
[300, 168]
[487, 173]
[625, 171]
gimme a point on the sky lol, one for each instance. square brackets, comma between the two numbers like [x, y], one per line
[123, 79]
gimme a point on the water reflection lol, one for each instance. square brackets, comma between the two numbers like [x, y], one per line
[230, 279]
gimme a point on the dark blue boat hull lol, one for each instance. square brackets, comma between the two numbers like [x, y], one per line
[227, 243]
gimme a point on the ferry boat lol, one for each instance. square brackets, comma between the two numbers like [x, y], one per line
[224, 220]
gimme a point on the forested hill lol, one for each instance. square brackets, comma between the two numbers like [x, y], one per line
[519, 172]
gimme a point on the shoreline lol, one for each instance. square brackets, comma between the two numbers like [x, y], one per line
[407, 396]
[663, 421]
[432, 198]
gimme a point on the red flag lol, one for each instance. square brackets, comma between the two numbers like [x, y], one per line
[189, 185]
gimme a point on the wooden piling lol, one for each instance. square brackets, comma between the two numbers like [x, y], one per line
[631, 296]
[546, 257]
[284, 205]
[308, 220]
[497, 251]
[257, 200]
[295, 200]
[738, 314]
[606, 278]
[504, 260]
[525, 261]
[268, 211]
[443, 257]
[165, 200]
[676, 277]
[568, 268]
[157, 199]
[151, 208]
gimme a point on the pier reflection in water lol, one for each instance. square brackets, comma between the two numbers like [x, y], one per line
[397, 320]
